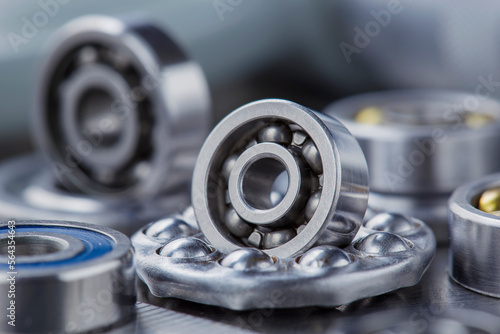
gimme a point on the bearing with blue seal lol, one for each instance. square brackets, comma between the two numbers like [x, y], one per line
[65, 277]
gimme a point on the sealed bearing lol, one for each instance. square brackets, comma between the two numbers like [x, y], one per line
[121, 110]
[28, 190]
[420, 145]
[279, 177]
[474, 227]
[65, 277]
[175, 260]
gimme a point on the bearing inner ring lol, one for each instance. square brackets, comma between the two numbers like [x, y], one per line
[41, 247]
[252, 179]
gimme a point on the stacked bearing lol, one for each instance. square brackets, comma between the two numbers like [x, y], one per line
[279, 177]
[420, 146]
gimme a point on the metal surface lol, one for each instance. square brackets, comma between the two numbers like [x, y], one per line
[435, 300]
[278, 176]
[119, 107]
[178, 263]
[154, 320]
[415, 143]
[67, 277]
[29, 191]
[474, 234]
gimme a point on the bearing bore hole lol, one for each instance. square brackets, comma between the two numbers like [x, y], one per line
[33, 245]
[97, 118]
[265, 183]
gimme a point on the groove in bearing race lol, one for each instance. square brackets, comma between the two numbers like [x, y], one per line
[112, 116]
[260, 179]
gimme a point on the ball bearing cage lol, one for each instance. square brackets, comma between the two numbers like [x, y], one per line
[120, 106]
[388, 246]
[62, 268]
[414, 140]
[474, 250]
[278, 176]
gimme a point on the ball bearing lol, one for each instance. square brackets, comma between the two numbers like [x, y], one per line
[179, 263]
[420, 145]
[62, 268]
[474, 233]
[276, 175]
[119, 107]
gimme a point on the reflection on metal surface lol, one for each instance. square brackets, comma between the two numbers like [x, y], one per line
[436, 299]
[155, 320]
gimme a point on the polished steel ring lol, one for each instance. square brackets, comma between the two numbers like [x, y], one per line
[474, 234]
[420, 145]
[121, 110]
[65, 277]
[280, 177]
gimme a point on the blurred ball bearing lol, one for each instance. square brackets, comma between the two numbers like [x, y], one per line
[120, 106]
[420, 145]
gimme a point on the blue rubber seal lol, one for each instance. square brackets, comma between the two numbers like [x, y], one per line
[96, 244]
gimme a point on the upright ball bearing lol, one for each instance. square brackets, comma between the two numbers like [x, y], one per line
[121, 110]
[277, 176]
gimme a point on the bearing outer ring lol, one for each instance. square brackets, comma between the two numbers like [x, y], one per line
[344, 174]
[51, 293]
[174, 109]
[474, 234]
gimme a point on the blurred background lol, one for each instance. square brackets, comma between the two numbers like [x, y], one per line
[311, 52]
